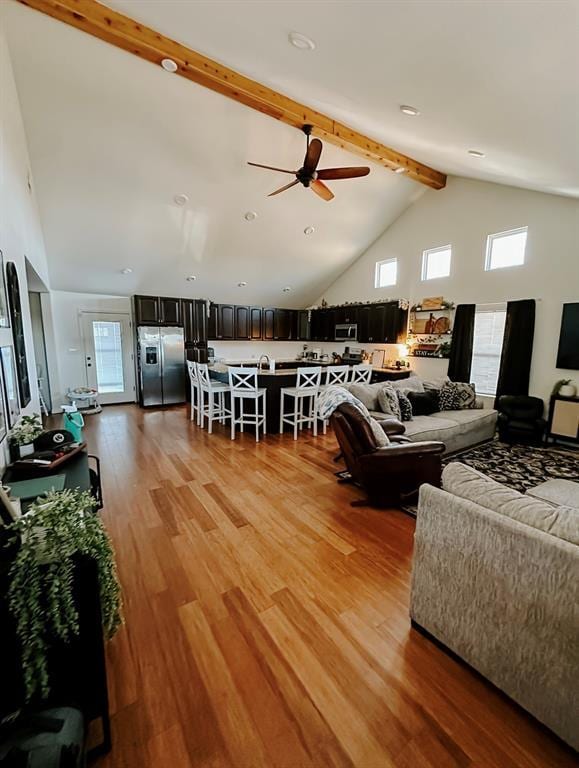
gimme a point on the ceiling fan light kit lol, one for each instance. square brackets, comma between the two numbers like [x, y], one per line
[309, 176]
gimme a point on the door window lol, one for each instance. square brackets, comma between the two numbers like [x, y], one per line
[108, 356]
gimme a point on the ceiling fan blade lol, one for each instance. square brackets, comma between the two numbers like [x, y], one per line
[312, 157]
[283, 189]
[343, 173]
[271, 168]
[320, 189]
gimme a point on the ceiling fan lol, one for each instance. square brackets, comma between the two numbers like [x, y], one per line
[309, 176]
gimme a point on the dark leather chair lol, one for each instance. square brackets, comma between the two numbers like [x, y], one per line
[520, 419]
[391, 474]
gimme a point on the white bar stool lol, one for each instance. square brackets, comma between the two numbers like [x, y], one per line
[336, 375]
[243, 386]
[195, 394]
[361, 374]
[307, 389]
[212, 398]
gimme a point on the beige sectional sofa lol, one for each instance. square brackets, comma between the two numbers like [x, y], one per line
[496, 580]
[456, 429]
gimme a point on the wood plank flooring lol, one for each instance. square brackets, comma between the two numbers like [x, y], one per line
[266, 621]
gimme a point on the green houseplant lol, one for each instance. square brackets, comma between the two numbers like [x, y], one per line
[57, 528]
[25, 432]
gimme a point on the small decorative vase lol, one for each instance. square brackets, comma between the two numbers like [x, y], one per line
[568, 390]
[26, 449]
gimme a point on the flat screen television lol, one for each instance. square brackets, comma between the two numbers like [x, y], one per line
[568, 354]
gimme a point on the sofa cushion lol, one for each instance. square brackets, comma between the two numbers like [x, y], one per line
[430, 427]
[557, 492]
[466, 482]
[366, 394]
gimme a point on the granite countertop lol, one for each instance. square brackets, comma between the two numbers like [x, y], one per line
[222, 367]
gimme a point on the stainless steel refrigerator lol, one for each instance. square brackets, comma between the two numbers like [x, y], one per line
[161, 359]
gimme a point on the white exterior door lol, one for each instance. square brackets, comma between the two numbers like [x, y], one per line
[108, 350]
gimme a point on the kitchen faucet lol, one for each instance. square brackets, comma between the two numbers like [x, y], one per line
[259, 366]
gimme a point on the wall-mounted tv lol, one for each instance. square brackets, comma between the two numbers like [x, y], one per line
[568, 354]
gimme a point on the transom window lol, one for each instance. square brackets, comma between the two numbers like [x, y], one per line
[489, 329]
[436, 262]
[506, 249]
[386, 273]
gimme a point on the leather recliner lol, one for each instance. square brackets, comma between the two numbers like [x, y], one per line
[389, 474]
[520, 419]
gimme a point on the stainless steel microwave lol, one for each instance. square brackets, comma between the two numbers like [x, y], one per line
[347, 332]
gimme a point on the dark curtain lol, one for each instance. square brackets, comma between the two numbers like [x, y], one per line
[517, 349]
[461, 347]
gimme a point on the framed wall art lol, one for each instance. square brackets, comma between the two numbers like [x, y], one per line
[14, 303]
[4, 313]
[10, 385]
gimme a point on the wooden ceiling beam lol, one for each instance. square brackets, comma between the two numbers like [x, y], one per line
[126, 33]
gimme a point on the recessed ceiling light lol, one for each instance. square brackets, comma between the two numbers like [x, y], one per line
[169, 65]
[408, 110]
[181, 199]
[301, 41]
[399, 170]
[191, 278]
[242, 284]
[126, 271]
[287, 289]
[250, 216]
[309, 231]
[476, 153]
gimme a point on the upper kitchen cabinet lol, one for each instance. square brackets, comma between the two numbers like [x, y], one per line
[268, 323]
[255, 323]
[304, 325]
[170, 311]
[324, 324]
[194, 316]
[147, 310]
[242, 323]
[347, 315]
[284, 323]
[222, 322]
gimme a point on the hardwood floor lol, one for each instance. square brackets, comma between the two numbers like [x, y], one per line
[267, 621]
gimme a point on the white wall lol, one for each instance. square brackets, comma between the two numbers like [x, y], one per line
[69, 348]
[463, 214]
[20, 230]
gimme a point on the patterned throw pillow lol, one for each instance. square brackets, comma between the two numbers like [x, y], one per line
[457, 396]
[405, 406]
[388, 401]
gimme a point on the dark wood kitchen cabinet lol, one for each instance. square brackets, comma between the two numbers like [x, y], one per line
[268, 323]
[194, 316]
[364, 324]
[147, 310]
[169, 311]
[347, 315]
[222, 322]
[324, 324]
[255, 323]
[282, 324]
[304, 325]
[242, 323]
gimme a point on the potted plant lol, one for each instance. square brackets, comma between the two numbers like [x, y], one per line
[24, 433]
[56, 529]
[565, 388]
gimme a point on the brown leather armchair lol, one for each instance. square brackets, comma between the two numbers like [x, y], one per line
[389, 474]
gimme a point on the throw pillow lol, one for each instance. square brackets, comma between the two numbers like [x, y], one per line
[424, 403]
[457, 396]
[405, 406]
[388, 401]
[412, 384]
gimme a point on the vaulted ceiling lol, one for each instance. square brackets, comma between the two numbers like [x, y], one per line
[113, 139]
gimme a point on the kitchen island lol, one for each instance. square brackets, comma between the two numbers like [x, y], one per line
[285, 375]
